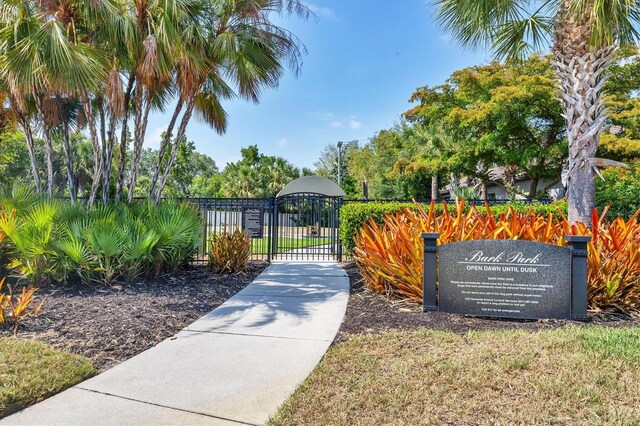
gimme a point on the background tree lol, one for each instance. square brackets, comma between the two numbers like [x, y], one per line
[327, 166]
[584, 36]
[257, 175]
[621, 138]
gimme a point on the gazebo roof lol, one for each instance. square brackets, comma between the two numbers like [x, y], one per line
[312, 185]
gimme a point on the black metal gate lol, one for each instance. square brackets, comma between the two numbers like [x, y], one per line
[294, 227]
[306, 228]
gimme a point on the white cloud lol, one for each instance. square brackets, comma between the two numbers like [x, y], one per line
[354, 124]
[335, 124]
[283, 142]
[322, 11]
[153, 138]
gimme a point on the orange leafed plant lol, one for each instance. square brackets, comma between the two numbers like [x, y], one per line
[15, 308]
[389, 256]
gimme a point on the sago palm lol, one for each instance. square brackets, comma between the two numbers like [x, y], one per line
[583, 35]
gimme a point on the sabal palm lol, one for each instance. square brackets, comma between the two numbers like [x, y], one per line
[583, 35]
[44, 60]
[237, 51]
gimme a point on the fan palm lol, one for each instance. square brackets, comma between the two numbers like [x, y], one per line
[43, 59]
[583, 35]
[238, 47]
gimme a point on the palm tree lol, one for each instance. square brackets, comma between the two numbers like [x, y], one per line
[44, 61]
[584, 35]
[238, 46]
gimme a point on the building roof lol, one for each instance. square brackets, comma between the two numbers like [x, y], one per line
[312, 185]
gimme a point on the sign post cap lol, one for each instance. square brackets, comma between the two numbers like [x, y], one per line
[577, 238]
[429, 235]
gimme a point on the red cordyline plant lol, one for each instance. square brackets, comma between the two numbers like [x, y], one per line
[389, 255]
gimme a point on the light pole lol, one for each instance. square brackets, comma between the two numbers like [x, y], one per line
[340, 164]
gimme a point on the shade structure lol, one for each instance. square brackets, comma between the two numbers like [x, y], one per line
[312, 185]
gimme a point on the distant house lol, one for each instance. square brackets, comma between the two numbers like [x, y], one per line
[497, 189]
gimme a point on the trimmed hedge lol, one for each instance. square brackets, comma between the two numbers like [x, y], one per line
[353, 215]
[620, 190]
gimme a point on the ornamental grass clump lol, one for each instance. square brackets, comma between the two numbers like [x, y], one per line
[229, 252]
[389, 255]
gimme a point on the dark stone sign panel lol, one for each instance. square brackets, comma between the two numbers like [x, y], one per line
[253, 221]
[505, 278]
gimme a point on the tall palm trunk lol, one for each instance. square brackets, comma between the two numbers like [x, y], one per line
[122, 161]
[143, 106]
[434, 187]
[107, 156]
[68, 159]
[163, 147]
[174, 148]
[581, 72]
[48, 145]
[31, 149]
[95, 144]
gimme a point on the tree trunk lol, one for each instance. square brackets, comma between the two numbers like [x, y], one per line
[581, 72]
[434, 187]
[107, 157]
[174, 149]
[140, 121]
[48, 146]
[95, 144]
[533, 189]
[123, 140]
[163, 147]
[31, 149]
[68, 160]
[483, 190]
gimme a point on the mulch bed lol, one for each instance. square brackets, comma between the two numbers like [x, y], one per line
[370, 312]
[111, 324]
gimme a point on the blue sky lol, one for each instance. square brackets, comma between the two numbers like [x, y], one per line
[365, 58]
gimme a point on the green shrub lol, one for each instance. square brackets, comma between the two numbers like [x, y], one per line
[229, 252]
[53, 240]
[353, 215]
[620, 190]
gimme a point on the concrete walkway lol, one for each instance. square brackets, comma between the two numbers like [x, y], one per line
[235, 365]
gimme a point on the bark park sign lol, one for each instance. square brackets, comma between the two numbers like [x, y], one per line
[506, 278]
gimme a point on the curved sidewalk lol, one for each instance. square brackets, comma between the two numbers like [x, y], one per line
[235, 365]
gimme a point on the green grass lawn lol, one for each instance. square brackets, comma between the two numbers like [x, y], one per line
[259, 245]
[31, 371]
[574, 375]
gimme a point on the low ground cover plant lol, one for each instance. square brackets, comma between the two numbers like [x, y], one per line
[229, 252]
[390, 255]
[50, 240]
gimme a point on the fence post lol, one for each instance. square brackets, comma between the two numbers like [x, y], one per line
[272, 228]
[429, 273]
[579, 250]
[205, 219]
[338, 229]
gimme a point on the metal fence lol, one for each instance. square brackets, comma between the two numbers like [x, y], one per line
[296, 227]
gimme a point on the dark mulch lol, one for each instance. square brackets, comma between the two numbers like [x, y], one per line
[370, 312]
[111, 324]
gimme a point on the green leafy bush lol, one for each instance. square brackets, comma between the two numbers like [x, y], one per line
[354, 215]
[620, 190]
[229, 252]
[53, 240]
